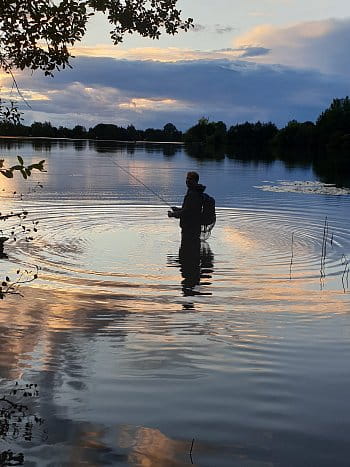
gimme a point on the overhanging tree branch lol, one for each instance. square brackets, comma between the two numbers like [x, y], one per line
[37, 34]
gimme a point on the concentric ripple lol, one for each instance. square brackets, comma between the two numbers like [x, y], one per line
[258, 257]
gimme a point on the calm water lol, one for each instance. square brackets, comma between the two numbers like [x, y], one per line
[244, 347]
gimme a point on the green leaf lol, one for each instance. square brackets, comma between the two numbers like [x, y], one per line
[24, 175]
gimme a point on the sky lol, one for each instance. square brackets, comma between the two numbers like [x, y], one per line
[245, 60]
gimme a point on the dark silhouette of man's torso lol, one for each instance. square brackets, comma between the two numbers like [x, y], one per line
[190, 217]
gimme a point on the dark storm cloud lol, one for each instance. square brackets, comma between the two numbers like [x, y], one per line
[99, 89]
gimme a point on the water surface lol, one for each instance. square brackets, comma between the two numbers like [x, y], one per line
[242, 346]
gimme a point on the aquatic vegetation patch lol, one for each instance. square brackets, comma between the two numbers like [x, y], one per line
[305, 187]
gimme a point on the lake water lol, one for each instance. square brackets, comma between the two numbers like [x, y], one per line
[243, 348]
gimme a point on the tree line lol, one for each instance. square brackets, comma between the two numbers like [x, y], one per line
[324, 143]
[102, 131]
[330, 132]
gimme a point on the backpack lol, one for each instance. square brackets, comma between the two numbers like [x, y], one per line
[208, 216]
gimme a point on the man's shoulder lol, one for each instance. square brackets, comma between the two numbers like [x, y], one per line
[195, 191]
[192, 194]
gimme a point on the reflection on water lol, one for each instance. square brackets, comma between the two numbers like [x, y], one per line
[136, 446]
[196, 263]
[140, 344]
[100, 146]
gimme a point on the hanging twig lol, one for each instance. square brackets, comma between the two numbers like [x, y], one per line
[19, 91]
[190, 453]
[9, 287]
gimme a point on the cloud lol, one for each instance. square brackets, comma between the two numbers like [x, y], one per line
[242, 52]
[169, 54]
[139, 104]
[269, 73]
[198, 28]
[253, 51]
[217, 28]
[223, 29]
[150, 93]
[258, 13]
[319, 45]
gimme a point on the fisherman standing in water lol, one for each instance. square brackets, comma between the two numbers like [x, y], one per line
[191, 210]
[192, 254]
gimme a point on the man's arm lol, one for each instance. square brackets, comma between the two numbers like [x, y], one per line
[176, 212]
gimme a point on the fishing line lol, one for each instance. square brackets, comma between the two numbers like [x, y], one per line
[141, 182]
[205, 229]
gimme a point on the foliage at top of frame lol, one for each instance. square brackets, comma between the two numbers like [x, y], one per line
[37, 34]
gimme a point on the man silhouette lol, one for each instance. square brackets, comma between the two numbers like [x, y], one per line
[191, 210]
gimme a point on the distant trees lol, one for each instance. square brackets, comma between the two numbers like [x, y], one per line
[250, 140]
[325, 143]
[110, 131]
[101, 131]
[206, 133]
[296, 140]
[335, 119]
[333, 126]
[79, 131]
[333, 140]
[39, 129]
[171, 133]
[132, 133]
[328, 139]
[241, 140]
[168, 133]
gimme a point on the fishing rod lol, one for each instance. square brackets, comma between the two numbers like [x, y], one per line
[141, 182]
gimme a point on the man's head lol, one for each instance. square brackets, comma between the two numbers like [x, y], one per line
[192, 179]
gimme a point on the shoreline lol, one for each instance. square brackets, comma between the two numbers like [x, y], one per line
[180, 143]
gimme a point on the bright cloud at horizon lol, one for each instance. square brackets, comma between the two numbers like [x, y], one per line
[159, 54]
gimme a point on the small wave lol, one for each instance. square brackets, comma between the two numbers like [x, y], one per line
[305, 187]
[100, 251]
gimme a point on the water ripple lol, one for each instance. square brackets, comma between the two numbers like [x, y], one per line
[259, 257]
